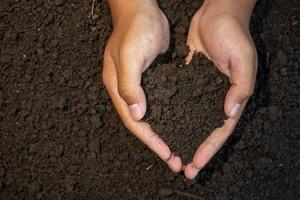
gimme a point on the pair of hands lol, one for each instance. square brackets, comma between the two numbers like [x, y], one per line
[219, 29]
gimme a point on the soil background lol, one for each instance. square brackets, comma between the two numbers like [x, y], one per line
[60, 137]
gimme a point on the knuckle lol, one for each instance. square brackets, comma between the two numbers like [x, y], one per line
[153, 136]
[200, 166]
[210, 144]
[124, 91]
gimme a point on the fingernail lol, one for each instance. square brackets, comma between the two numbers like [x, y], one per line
[235, 108]
[135, 111]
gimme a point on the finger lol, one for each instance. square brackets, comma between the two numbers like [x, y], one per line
[157, 145]
[189, 57]
[141, 130]
[195, 46]
[194, 40]
[210, 146]
[242, 77]
[129, 72]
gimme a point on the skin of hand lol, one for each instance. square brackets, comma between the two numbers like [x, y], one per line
[140, 33]
[220, 30]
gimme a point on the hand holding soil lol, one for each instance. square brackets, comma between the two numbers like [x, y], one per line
[218, 29]
[141, 32]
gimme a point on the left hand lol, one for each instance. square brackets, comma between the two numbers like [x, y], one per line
[140, 33]
[220, 30]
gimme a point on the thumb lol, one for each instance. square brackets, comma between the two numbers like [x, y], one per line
[242, 77]
[235, 97]
[129, 86]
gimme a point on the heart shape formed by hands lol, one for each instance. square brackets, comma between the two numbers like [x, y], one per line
[185, 102]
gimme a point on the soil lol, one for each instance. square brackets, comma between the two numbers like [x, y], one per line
[185, 102]
[62, 139]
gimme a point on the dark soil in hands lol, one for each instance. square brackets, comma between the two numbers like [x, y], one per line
[60, 137]
[185, 102]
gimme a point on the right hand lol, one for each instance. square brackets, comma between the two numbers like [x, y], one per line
[220, 30]
[140, 33]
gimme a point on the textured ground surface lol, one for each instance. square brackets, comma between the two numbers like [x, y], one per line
[61, 138]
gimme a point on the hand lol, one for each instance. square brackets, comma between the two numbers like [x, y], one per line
[220, 30]
[140, 33]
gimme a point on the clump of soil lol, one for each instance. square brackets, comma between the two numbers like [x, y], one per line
[185, 102]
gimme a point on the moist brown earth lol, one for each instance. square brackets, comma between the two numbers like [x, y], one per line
[185, 102]
[62, 139]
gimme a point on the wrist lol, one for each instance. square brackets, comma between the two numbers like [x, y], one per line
[123, 9]
[240, 9]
